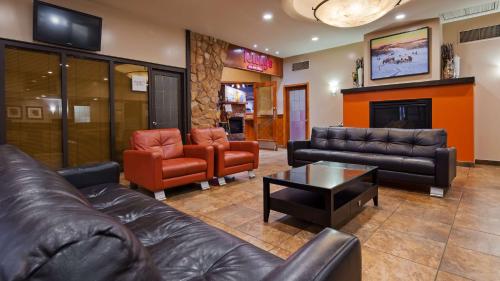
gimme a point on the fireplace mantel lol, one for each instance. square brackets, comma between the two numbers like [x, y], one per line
[432, 83]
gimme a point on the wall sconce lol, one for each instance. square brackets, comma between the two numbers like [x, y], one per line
[333, 86]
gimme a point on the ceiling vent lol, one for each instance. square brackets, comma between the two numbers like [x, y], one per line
[470, 12]
[300, 65]
[480, 34]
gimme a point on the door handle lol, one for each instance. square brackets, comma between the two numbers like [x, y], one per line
[155, 124]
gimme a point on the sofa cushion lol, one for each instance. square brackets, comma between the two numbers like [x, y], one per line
[402, 142]
[179, 167]
[166, 141]
[183, 247]
[417, 165]
[49, 231]
[235, 158]
[210, 136]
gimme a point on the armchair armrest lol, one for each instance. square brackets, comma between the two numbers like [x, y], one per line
[446, 166]
[92, 174]
[143, 168]
[294, 145]
[331, 255]
[248, 146]
[203, 152]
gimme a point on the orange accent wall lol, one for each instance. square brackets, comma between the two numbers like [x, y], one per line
[452, 109]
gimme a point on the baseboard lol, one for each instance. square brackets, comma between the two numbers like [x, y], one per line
[466, 164]
[488, 162]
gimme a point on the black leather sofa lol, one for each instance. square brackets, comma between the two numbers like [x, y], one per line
[81, 224]
[419, 157]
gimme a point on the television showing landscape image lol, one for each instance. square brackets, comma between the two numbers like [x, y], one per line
[401, 54]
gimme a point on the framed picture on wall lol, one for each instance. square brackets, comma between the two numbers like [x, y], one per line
[14, 112]
[34, 112]
[400, 54]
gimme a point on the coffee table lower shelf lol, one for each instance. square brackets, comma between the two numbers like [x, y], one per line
[316, 207]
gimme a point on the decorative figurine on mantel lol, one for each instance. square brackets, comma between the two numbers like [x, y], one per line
[450, 63]
[357, 75]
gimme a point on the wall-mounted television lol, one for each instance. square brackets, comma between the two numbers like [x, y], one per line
[60, 26]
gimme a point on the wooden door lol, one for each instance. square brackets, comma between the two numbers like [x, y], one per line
[265, 119]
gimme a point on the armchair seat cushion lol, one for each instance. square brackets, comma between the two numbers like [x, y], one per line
[178, 167]
[235, 158]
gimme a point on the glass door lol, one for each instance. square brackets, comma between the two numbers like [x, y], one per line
[131, 104]
[297, 117]
[88, 111]
[265, 114]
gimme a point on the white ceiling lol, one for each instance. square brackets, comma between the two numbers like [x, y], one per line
[240, 21]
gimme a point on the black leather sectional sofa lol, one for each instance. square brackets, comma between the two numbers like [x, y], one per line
[81, 224]
[416, 156]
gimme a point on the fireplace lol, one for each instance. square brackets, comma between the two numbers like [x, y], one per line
[236, 125]
[404, 114]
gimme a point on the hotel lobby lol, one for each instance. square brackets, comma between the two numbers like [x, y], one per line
[249, 140]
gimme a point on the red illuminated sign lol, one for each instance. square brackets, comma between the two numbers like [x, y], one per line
[257, 62]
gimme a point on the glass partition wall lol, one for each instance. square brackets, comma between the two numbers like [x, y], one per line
[67, 108]
[33, 104]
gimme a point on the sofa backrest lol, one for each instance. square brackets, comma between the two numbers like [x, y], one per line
[404, 142]
[166, 141]
[49, 231]
[210, 136]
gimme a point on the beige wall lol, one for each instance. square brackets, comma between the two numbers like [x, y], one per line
[482, 60]
[435, 46]
[123, 35]
[336, 64]
[238, 75]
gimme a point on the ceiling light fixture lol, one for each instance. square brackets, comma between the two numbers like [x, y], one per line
[400, 16]
[315, 38]
[255, 45]
[266, 49]
[277, 52]
[341, 13]
[267, 16]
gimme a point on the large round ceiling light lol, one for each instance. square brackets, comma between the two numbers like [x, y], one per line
[350, 13]
[342, 13]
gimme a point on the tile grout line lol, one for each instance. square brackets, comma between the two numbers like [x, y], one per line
[449, 235]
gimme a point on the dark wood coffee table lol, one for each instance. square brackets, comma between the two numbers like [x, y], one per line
[325, 193]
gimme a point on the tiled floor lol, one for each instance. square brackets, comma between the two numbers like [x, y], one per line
[410, 236]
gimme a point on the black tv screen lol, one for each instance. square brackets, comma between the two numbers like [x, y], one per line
[65, 27]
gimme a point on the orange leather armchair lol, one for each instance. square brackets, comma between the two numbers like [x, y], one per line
[230, 156]
[158, 160]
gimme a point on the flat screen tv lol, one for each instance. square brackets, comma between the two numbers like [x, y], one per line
[57, 25]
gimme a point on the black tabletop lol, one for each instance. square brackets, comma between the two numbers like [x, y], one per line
[323, 174]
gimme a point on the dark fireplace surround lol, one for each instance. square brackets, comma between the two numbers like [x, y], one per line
[403, 114]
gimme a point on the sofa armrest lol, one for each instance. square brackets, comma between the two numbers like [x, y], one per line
[143, 168]
[92, 174]
[248, 146]
[331, 255]
[203, 152]
[446, 166]
[294, 145]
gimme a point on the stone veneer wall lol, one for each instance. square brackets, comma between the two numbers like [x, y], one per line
[207, 62]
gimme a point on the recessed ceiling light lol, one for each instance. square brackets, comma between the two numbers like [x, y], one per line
[315, 38]
[266, 49]
[267, 16]
[255, 45]
[49, 72]
[400, 16]
[277, 52]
